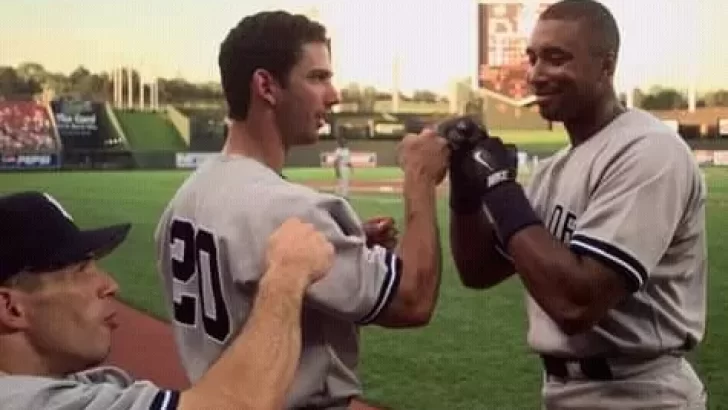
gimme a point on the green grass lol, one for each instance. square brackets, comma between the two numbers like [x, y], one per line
[535, 142]
[358, 174]
[149, 132]
[472, 356]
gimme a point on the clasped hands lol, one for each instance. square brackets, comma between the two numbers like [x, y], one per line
[477, 163]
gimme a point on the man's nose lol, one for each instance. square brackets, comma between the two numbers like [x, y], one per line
[108, 286]
[333, 96]
[535, 75]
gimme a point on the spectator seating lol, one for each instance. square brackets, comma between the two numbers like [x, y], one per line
[25, 127]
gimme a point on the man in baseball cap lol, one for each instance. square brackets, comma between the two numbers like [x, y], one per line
[38, 235]
[57, 316]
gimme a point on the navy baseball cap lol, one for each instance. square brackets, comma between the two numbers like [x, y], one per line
[38, 235]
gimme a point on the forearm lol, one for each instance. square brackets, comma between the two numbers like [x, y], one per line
[558, 279]
[553, 275]
[473, 246]
[257, 369]
[420, 248]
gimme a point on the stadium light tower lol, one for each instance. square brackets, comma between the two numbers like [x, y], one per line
[130, 88]
[695, 30]
[117, 87]
[114, 87]
[141, 90]
[396, 72]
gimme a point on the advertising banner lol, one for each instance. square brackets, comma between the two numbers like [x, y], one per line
[191, 160]
[723, 127]
[358, 159]
[78, 123]
[29, 161]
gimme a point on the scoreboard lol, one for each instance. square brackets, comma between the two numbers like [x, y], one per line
[503, 31]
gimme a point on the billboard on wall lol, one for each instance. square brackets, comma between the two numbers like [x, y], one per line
[503, 32]
[29, 161]
[358, 159]
[723, 127]
[78, 123]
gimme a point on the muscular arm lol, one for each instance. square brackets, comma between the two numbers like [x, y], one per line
[575, 291]
[420, 252]
[257, 369]
[615, 242]
[473, 246]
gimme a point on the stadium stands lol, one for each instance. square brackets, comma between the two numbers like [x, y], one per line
[26, 127]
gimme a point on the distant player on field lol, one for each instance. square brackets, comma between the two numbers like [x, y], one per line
[609, 237]
[276, 76]
[342, 167]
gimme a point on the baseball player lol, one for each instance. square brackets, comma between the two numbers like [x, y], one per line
[608, 239]
[342, 168]
[57, 315]
[276, 75]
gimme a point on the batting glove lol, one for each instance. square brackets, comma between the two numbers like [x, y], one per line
[496, 168]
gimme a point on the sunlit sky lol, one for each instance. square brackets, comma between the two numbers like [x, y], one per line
[435, 40]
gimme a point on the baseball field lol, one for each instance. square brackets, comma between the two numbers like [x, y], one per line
[472, 356]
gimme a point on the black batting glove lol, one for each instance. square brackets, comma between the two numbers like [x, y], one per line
[496, 168]
[463, 134]
[495, 163]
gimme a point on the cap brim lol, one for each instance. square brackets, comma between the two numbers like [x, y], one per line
[93, 244]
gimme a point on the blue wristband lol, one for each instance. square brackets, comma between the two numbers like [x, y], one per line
[510, 210]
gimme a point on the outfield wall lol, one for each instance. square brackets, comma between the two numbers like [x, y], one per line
[364, 153]
[310, 156]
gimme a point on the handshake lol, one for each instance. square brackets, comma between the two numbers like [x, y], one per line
[482, 170]
[477, 162]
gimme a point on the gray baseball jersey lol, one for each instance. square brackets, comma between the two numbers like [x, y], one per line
[102, 388]
[632, 197]
[211, 243]
[342, 157]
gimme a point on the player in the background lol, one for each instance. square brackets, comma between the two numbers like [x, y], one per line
[342, 167]
[57, 315]
[276, 77]
[608, 238]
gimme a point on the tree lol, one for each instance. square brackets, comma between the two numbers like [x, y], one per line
[79, 75]
[424, 96]
[34, 71]
[664, 99]
[383, 96]
[639, 97]
[351, 93]
[14, 86]
[717, 98]
[368, 100]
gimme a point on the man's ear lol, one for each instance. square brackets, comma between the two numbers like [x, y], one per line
[610, 64]
[13, 310]
[265, 86]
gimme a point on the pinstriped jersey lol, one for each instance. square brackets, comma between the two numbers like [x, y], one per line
[211, 242]
[632, 197]
[101, 388]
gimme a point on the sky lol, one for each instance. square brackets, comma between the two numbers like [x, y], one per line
[434, 40]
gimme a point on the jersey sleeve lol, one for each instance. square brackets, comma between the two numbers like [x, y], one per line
[363, 281]
[22, 392]
[635, 208]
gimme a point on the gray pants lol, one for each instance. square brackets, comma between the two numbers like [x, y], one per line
[667, 382]
[342, 183]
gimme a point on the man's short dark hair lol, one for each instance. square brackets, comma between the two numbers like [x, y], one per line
[595, 15]
[269, 40]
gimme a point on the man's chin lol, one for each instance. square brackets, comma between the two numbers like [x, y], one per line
[549, 114]
[302, 140]
[310, 139]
